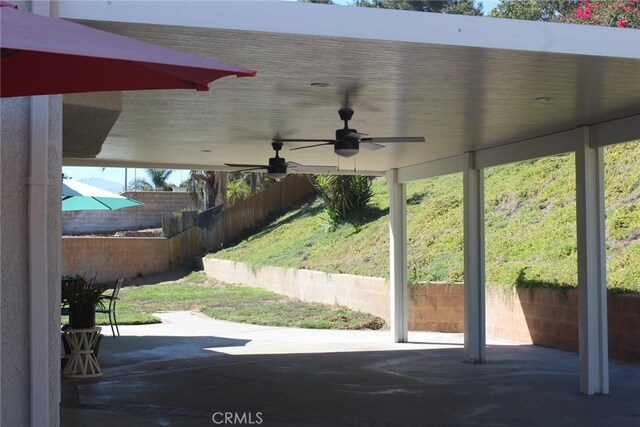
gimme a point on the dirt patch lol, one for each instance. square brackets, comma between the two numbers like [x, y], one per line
[147, 232]
[375, 323]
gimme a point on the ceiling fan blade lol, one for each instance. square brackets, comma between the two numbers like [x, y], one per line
[310, 169]
[250, 170]
[246, 167]
[310, 146]
[316, 169]
[304, 140]
[371, 146]
[385, 140]
[356, 135]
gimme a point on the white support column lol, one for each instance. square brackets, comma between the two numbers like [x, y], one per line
[38, 255]
[398, 292]
[592, 285]
[474, 267]
[38, 261]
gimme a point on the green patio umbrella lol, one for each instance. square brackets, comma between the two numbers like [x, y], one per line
[78, 196]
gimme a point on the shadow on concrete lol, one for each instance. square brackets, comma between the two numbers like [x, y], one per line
[519, 385]
[453, 344]
[163, 344]
[171, 275]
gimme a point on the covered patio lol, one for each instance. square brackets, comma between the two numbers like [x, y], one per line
[483, 92]
[190, 371]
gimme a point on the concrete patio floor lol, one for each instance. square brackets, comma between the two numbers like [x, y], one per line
[185, 370]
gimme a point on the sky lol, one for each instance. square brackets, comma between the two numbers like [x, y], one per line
[93, 176]
[96, 175]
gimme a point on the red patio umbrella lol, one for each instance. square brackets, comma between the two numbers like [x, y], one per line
[42, 55]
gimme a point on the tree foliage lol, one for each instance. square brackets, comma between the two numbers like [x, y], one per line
[343, 195]
[225, 188]
[457, 7]
[159, 179]
[237, 191]
[534, 10]
[139, 184]
[607, 13]
[207, 186]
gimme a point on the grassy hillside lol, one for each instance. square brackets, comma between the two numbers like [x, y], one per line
[530, 228]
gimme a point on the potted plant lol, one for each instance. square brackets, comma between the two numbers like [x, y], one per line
[82, 295]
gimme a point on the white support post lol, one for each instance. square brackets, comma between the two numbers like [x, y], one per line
[592, 285]
[398, 292]
[38, 261]
[38, 251]
[474, 267]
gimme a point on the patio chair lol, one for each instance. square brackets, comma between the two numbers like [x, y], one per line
[111, 308]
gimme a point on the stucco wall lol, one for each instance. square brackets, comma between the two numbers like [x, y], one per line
[112, 258]
[14, 320]
[15, 326]
[541, 316]
[149, 215]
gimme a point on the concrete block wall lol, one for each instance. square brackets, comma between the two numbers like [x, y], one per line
[369, 294]
[149, 215]
[549, 317]
[436, 307]
[112, 258]
[545, 317]
[624, 327]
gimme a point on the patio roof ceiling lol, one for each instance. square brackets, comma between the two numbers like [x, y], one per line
[464, 83]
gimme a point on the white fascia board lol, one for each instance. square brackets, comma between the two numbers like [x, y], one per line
[365, 23]
[432, 169]
[602, 134]
[615, 131]
[549, 145]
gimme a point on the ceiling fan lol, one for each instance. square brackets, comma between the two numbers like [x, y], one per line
[348, 141]
[278, 167]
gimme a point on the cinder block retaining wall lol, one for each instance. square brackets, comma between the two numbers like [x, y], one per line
[370, 294]
[540, 316]
[112, 258]
[149, 215]
[436, 307]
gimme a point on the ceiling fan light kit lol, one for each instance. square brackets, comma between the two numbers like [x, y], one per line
[277, 172]
[346, 147]
[348, 141]
[278, 167]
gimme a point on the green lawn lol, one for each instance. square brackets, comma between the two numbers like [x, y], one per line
[234, 303]
[530, 228]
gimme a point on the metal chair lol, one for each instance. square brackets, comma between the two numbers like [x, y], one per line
[111, 308]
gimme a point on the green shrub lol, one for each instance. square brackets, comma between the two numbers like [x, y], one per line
[343, 195]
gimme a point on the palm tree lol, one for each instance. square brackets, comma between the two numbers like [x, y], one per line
[210, 185]
[159, 178]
